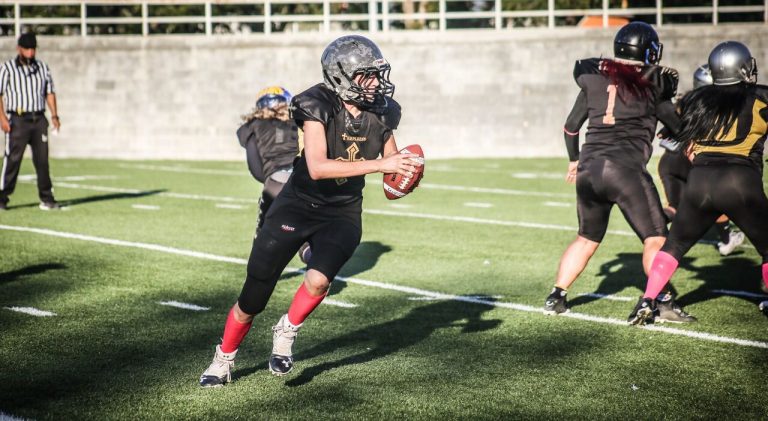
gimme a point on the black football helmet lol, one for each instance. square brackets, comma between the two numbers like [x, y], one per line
[638, 41]
[731, 63]
[351, 56]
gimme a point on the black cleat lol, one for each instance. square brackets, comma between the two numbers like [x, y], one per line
[669, 311]
[556, 302]
[643, 312]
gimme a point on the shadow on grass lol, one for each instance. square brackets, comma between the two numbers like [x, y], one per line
[96, 198]
[28, 271]
[387, 338]
[623, 271]
[732, 273]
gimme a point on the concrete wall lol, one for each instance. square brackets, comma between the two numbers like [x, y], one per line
[464, 94]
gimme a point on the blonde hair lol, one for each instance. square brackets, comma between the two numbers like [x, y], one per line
[279, 113]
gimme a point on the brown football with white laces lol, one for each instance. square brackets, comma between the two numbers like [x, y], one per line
[396, 185]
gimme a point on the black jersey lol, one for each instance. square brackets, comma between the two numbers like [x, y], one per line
[619, 130]
[348, 139]
[277, 143]
[745, 141]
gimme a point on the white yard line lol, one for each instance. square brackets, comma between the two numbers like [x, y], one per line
[558, 204]
[508, 192]
[739, 293]
[145, 207]
[338, 303]
[185, 306]
[229, 206]
[31, 311]
[484, 221]
[33, 178]
[478, 205]
[163, 194]
[611, 297]
[183, 170]
[393, 287]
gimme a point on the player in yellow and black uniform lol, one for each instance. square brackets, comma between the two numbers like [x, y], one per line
[348, 124]
[727, 123]
[674, 167]
[623, 98]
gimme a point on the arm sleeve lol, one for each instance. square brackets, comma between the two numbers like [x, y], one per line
[666, 112]
[576, 118]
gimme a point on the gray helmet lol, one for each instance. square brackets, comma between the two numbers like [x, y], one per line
[352, 56]
[731, 62]
[702, 76]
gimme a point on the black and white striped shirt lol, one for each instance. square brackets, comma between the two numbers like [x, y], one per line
[24, 88]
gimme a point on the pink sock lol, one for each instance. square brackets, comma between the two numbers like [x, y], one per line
[234, 332]
[662, 268]
[765, 275]
[302, 305]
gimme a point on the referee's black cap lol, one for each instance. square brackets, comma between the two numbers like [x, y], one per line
[28, 40]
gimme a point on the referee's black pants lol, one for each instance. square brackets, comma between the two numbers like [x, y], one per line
[32, 131]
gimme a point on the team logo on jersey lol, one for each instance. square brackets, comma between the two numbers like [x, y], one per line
[287, 228]
[352, 151]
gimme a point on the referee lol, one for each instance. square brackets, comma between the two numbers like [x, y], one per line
[25, 87]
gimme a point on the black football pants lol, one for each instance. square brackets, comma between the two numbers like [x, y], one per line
[713, 190]
[32, 131]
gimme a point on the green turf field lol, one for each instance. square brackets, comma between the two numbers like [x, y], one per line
[438, 317]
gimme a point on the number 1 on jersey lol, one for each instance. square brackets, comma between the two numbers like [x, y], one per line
[609, 118]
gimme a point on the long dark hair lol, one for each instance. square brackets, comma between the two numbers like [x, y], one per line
[629, 78]
[709, 112]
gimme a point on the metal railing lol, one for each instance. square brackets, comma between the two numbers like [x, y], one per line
[268, 16]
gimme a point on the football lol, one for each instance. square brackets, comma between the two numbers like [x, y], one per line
[396, 185]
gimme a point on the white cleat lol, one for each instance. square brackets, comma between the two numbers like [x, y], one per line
[735, 239]
[220, 370]
[283, 336]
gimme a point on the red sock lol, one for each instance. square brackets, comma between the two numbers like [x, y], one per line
[234, 332]
[765, 275]
[302, 305]
[662, 268]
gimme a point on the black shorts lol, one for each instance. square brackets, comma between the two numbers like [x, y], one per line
[600, 184]
[333, 232]
[713, 190]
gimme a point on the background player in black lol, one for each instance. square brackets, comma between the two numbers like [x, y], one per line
[727, 123]
[271, 141]
[622, 98]
[348, 122]
[674, 167]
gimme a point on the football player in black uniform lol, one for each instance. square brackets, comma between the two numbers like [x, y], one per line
[271, 141]
[674, 167]
[348, 123]
[623, 98]
[727, 124]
